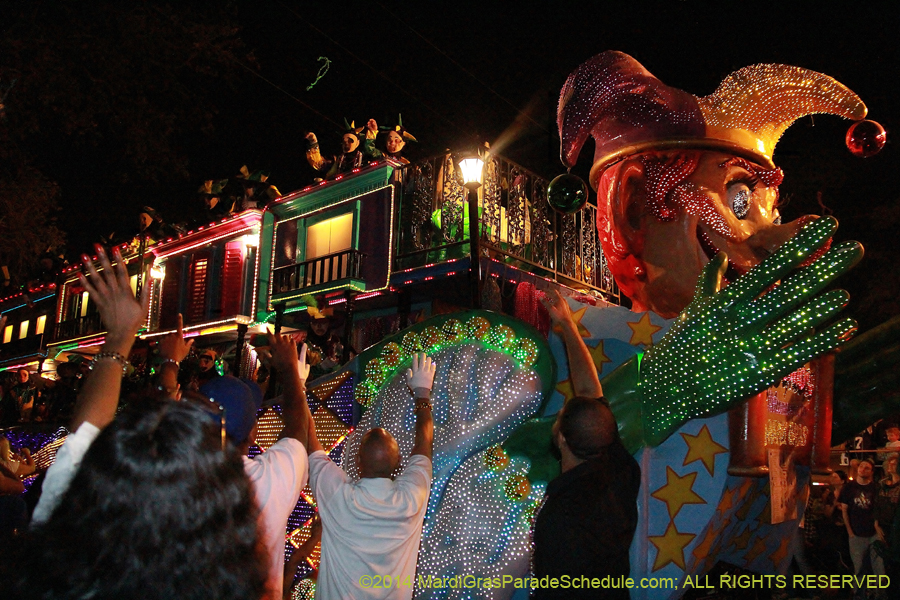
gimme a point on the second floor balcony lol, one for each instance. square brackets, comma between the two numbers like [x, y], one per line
[517, 225]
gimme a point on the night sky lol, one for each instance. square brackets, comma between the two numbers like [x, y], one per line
[462, 72]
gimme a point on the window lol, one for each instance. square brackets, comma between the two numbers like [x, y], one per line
[133, 283]
[196, 298]
[23, 329]
[41, 322]
[84, 304]
[328, 237]
[7, 334]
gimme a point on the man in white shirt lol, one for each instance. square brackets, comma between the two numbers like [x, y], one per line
[279, 474]
[371, 528]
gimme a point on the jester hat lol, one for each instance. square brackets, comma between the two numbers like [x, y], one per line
[627, 110]
[350, 127]
[400, 129]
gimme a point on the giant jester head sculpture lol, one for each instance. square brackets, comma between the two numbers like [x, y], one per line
[680, 178]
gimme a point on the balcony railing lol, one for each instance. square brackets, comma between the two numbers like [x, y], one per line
[517, 225]
[79, 327]
[318, 271]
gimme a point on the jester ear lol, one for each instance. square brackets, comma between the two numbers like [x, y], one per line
[409, 137]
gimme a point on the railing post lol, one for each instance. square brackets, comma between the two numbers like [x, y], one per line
[348, 326]
[474, 249]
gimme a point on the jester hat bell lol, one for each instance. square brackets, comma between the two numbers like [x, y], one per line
[627, 110]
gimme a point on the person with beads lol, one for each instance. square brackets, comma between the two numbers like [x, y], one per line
[353, 155]
[396, 138]
[373, 526]
[136, 499]
[279, 474]
[588, 516]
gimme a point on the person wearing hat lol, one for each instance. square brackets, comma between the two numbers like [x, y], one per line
[396, 138]
[215, 202]
[277, 475]
[353, 156]
[207, 360]
[681, 178]
[257, 193]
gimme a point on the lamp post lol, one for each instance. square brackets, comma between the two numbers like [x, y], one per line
[472, 169]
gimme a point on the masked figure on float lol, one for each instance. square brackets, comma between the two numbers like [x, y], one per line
[680, 180]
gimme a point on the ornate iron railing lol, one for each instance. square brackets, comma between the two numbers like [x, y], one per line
[517, 224]
[79, 327]
[316, 271]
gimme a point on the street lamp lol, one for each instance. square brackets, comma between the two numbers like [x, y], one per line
[472, 169]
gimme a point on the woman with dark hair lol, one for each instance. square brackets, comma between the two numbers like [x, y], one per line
[150, 505]
[157, 510]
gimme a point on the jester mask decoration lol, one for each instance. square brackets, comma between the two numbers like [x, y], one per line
[681, 178]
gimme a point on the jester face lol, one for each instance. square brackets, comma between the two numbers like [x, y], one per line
[394, 142]
[663, 216]
[349, 143]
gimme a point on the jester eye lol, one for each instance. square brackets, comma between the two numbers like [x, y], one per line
[739, 196]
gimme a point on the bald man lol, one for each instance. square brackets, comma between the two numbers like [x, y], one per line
[371, 527]
[588, 516]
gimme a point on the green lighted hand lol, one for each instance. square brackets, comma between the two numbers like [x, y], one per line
[732, 343]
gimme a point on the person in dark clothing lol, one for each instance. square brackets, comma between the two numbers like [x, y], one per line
[587, 520]
[858, 505]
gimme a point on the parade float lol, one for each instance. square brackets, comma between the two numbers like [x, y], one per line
[721, 376]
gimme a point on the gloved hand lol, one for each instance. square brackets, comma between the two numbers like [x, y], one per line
[420, 377]
[732, 343]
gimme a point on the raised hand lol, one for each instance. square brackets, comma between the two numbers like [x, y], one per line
[284, 355]
[372, 126]
[558, 308]
[111, 291]
[173, 346]
[732, 343]
[421, 375]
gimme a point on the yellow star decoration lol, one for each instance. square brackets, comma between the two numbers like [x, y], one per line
[576, 316]
[670, 547]
[642, 331]
[599, 356]
[702, 447]
[678, 491]
[565, 388]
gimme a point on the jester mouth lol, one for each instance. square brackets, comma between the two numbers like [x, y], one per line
[711, 250]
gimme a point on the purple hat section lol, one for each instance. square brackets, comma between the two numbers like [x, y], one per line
[240, 401]
[623, 106]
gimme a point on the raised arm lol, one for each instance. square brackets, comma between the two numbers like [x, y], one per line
[294, 371]
[582, 370]
[26, 465]
[301, 554]
[123, 315]
[172, 349]
[420, 379]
